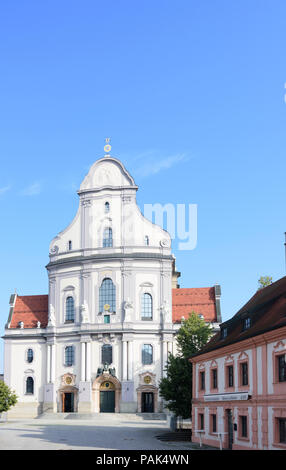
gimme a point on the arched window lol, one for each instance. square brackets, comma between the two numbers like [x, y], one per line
[146, 307]
[147, 354]
[69, 309]
[146, 240]
[106, 207]
[69, 355]
[106, 354]
[70, 245]
[107, 296]
[30, 385]
[107, 237]
[30, 355]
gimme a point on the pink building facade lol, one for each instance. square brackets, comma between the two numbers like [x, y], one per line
[239, 378]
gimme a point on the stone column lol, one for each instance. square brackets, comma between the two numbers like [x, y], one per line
[53, 363]
[48, 363]
[130, 360]
[164, 357]
[88, 362]
[124, 360]
[83, 367]
[85, 394]
[49, 404]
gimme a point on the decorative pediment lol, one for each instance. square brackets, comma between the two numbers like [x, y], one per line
[68, 380]
[242, 356]
[280, 345]
[147, 378]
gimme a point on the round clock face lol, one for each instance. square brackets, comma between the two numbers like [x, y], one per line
[147, 379]
[106, 307]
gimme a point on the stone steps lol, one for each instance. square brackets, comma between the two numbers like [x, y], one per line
[99, 416]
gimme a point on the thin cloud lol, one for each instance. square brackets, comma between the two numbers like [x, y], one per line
[33, 189]
[4, 190]
[154, 166]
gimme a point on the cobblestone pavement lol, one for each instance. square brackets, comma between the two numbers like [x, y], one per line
[103, 432]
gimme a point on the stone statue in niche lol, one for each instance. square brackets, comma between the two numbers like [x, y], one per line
[84, 313]
[165, 311]
[52, 318]
[128, 309]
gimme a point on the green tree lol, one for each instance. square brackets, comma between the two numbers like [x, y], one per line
[7, 397]
[176, 387]
[264, 281]
[192, 336]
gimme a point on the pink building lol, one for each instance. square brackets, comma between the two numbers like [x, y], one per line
[239, 378]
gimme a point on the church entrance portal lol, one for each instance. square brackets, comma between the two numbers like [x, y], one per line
[68, 402]
[147, 402]
[107, 401]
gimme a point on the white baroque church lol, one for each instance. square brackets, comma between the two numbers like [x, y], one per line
[99, 341]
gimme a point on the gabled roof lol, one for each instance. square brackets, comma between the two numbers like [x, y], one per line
[266, 310]
[201, 300]
[30, 309]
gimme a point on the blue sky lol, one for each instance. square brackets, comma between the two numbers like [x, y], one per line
[192, 95]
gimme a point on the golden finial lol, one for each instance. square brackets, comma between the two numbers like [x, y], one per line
[107, 147]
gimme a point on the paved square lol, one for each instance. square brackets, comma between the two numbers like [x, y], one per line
[103, 432]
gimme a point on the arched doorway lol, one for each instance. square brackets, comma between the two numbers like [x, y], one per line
[107, 397]
[68, 399]
[106, 391]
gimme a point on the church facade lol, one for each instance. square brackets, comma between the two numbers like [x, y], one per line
[99, 341]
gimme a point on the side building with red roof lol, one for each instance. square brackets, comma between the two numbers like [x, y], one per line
[239, 377]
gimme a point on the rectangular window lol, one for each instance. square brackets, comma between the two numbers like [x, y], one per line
[243, 426]
[214, 378]
[213, 422]
[244, 373]
[230, 376]
[282, 430]
[201, 421]
[281, 368]
[147, 354]
[246, 323]
[202, 380]
[69, 356]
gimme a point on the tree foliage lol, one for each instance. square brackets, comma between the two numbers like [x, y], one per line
[7, 397]
[192, 336]
[176, 387]
[264, 281]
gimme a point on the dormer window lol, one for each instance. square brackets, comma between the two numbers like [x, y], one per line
[70, 245]
[106, 207]
[146, 240]
[223, 332]
[246, 323]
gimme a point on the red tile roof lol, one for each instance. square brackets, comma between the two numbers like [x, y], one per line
[30, 309]
[201, 300]
[33, 308]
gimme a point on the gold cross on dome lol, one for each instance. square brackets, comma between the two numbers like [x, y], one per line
[107, 146]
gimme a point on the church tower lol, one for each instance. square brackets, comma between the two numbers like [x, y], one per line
[110, 301]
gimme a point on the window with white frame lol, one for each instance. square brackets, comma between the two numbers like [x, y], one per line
[69, 316]
[146, 307]
[107, 238]
[69, 356]
[29, 386]
[147, 354]
[107, 296]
